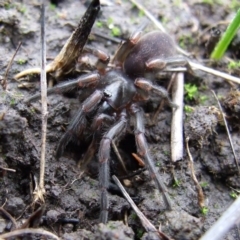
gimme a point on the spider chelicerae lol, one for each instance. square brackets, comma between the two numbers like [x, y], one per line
[117, 91]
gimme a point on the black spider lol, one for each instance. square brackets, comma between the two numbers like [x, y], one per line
[116, 93]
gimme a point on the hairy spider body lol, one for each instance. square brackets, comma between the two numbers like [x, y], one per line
[116, 100]
[118, 91]
[152, 45]
[121, 89]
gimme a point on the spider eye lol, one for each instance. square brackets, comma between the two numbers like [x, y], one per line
[107, 94]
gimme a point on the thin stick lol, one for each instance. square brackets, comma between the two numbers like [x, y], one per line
[149, 15]
[4, 82]
[119, 156]
[39, 194]
[9, 216]
[145, 222]
[161, 105]
[8, 169]
[214, 72]
[227, 221]
[139, 160]
[199, 188]
[228, 133]
[34, 220]
[149, 227]
[177, 118]
[22, 232]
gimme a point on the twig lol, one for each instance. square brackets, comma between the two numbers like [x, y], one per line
[199, 188]
[149, 227]
[139, 160]
[145, 222]
[8, 215]
[34, 220]
[161, 105]
[8, 169]
[4, 81]
[228, 133]
[65, 61]
[40, 192]
[177, 118]
[214, 72]
[21, 232]
[119, 156]
[227, 221]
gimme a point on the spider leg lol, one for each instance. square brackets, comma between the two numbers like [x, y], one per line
[87, 80]
[97, 126]
[172, 63]
[142, 149]
[103, 58]
[79, 121]
[103, 155]
[148, 86]
[126, 46]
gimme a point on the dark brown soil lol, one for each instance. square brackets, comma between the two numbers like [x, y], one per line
[72, 200]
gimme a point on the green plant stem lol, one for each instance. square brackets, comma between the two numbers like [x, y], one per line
[227, 37]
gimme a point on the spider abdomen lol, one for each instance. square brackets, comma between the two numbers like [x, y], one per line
[152, 45]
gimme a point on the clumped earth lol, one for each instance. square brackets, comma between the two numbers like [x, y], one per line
[72, 199]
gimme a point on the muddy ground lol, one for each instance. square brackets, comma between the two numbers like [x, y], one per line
[72, 199]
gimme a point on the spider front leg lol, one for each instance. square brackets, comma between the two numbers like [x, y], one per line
[79, 121]
[102, 58]
[87, 80]
[146, 85]
[170, 63]
[143, 151]
[126, 46]
[98, 123]
[103, 156]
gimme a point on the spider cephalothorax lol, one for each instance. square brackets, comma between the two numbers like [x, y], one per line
[116, 94]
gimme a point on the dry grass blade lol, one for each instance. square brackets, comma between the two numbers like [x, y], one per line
[40, 191]
[23, 232]
[139, 160]
[177, 118]
[227, 221]
[214, 72]
[34, 220]
[8, 215]
[145, 222]
[119, 156]
[228, 133]
[198, 186]
[65, 61]
[161, 105]
[4, 81]
[7, 169]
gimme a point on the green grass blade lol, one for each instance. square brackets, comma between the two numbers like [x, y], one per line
[227, 37]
